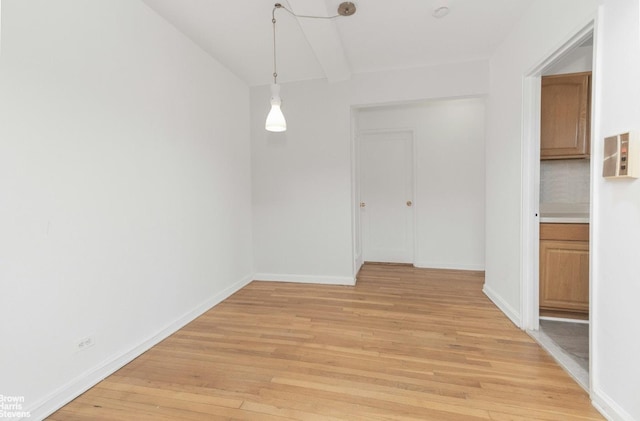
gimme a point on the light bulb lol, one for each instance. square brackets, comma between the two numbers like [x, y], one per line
[275, 119]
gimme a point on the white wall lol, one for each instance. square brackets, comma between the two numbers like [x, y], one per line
[616, 217]
[449, 189]
[301, 185]
[125, 204]
[302, 191]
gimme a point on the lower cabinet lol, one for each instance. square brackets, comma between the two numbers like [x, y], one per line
[564, 269]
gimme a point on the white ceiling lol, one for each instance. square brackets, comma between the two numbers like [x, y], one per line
[380, 36]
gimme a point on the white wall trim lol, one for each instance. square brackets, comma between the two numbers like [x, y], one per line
[91, 377]
[608, 407]
[359, 263]
[509, 311]
[455, 266]
[355, 192]
[305, 279]
[562, 357]
[530, 216]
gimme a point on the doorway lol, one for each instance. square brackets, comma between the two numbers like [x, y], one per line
[443, 196]
[386, 196]
[568, 342]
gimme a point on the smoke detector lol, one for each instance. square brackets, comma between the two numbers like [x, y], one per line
[440, 12]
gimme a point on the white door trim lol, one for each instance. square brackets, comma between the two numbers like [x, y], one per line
[529, 297]
[355, 194]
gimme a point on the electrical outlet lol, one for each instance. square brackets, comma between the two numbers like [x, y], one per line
[84, 343]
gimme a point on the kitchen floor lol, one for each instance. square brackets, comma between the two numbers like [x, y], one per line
[572, 337]
[568, 342]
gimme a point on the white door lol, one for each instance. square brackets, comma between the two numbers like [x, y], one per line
[386, 196]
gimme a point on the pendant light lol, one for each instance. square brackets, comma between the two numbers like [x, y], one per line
[275, 119]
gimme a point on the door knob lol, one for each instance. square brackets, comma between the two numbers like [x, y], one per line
[409, 203]
[362, 204]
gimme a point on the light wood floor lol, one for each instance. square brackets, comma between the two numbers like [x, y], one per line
[404, 344]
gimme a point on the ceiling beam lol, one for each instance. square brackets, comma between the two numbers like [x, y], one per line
[323, 38]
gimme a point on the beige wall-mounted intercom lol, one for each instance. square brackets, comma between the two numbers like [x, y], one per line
[621, 156]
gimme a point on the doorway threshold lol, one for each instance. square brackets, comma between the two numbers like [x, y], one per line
[562, 357]
[389, 264]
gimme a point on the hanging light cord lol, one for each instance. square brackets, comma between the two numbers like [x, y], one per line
[279, 6]
[273, 20]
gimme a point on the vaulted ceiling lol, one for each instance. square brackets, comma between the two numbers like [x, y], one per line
[380, 36]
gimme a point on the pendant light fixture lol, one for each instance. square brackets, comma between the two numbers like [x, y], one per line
[275, 119]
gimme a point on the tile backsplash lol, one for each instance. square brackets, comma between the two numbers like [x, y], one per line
[564, 181]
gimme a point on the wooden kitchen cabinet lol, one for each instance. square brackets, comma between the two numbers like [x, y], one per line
[565, 116]
[564, 270]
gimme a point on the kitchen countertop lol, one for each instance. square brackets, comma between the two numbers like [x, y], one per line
[564, 213]
[564, 218]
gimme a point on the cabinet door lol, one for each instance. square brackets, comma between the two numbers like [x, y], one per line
[564, 275]
[564, 119]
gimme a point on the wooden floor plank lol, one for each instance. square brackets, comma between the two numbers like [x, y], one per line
[403, 344]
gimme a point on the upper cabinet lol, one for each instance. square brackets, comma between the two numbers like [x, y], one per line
[565, 116]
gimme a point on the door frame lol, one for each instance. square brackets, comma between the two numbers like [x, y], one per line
[530, 235]
[357, 190]
[531, 176]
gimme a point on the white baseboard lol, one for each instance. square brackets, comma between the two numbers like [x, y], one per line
[608, 407]
[455, 266]
[509, 311]
[306, 279]
[66, 393]
[359, 262]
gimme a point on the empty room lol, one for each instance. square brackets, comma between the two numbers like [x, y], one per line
[319, 210]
